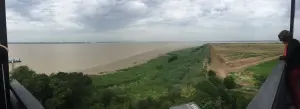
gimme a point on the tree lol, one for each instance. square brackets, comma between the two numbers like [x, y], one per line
[215, 89]
[76, 84]
[211, 73]
[97, 106]
[165, 104]
[229, 82]
[57, 91]
[22, 74]
[172, 58]
[148, 103]
[106, 97]
[39, 87]
[37, 84]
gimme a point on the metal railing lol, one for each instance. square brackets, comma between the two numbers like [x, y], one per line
[273, 93]
[21, 98]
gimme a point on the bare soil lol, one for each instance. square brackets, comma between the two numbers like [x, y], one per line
[217, 63]
[226, 58]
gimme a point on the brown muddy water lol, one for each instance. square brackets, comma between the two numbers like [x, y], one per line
[48, 58]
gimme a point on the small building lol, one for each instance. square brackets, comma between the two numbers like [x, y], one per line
[190, 105]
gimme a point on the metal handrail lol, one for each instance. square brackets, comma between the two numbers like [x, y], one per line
[22, 98]
[273, 93]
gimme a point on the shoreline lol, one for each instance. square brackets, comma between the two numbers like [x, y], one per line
[53, 58]
[131, 61]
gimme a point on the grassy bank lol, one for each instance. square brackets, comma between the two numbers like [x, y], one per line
[263, 68]
[262, 71]
[254, 74]
[154, 78]
[251, 79]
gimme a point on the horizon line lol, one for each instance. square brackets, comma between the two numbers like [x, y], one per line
[141, 41]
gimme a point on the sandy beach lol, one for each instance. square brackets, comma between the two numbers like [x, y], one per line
[130, 61]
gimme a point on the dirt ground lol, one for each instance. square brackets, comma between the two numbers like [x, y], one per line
[235, 57]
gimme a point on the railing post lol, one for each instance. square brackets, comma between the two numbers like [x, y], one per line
[5, 94]
[292, 17]
[282, 98]
[23, 97]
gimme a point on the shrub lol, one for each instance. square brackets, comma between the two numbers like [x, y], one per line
[229, 82]
[211, 73]
[173, 58]
[209, 60]
[198, 48]
[260, 79]
[159, 67]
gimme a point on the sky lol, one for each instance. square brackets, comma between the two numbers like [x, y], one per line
[147, 20]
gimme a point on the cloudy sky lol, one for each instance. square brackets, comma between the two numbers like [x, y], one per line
[147, 20]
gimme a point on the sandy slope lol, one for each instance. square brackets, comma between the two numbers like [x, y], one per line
[217, 64]
[131, 61]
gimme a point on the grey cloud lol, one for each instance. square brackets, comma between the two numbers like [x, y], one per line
[114, 17]
[23, 7]
[152, 3]
[197, 19]
[297, 7]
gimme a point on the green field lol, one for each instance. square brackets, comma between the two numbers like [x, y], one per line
[250, 80]
[263, 68]
[253, 77]
[154, 78]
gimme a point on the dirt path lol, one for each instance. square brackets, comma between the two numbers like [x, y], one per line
[235, 69]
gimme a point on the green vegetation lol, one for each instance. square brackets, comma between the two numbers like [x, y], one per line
[261, 71]
[57, 91]
[173, 79]
[253, 77]
[242, 55]
[156, 77]
[229, 82]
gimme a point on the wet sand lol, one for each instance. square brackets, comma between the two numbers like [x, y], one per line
[89, 58]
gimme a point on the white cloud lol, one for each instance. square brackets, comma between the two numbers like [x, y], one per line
[107, 20]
